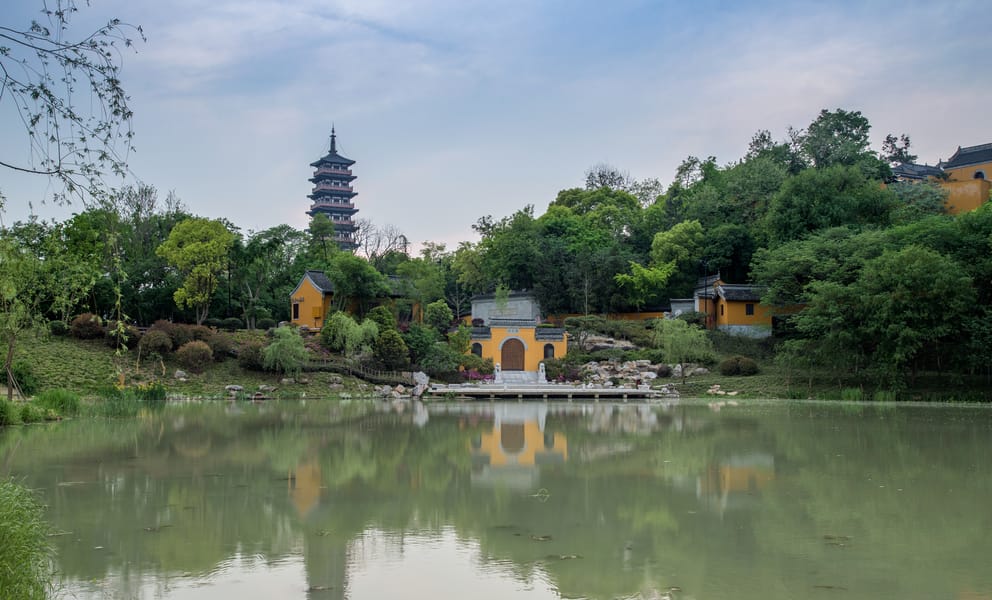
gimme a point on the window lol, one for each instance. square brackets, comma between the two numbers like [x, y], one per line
[979, 174]
[749, 309]
[476, 349]
[296, 312]
[721, 310]
[549, 351]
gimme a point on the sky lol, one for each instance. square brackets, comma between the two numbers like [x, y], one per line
[457, 109]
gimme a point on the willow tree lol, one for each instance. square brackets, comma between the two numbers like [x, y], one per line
[197, 248]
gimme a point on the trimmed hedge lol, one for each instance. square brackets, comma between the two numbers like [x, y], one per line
[194, 355]
[738, 365]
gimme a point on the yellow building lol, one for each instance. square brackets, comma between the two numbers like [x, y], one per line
[734, 308]
[509, 331]
[311, 300]
[967, 183]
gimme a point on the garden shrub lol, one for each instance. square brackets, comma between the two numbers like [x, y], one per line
[221, 345]
[26, 562]
[194, 355]
[383, 317]
[664, 370]
[693, 318]
[200, 333]
[483, 366]
[63, 402]
[420, 339]
[438, 315]
[250, 356]
[181, 334]
[24, 375]
[265, 323]
[738, 365]
[286, 353]
[441, 361]
[231, 324]
[155, 341]
[563, 369]
[58, 328]
[129, 338]
[9, 415]
[214, 322]
[390, 350]
[86, 326]
[652, 354]
[32, 413]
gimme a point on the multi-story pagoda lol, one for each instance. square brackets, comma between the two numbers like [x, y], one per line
[332, 194]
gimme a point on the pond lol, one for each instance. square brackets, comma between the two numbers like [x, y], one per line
[367, 500]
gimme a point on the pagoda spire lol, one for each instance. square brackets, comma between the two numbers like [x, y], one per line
[334, 144]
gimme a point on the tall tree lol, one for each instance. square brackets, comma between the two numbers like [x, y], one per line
[69, 96]
[198, 249]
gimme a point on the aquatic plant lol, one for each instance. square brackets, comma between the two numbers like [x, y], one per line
[26, 566]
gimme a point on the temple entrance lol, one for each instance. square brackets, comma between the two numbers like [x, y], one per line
[512, 355]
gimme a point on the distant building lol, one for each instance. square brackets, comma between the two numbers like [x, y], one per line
[311, 299]
[734, 308]
[333, 195]
[964, 176]
[509, 331]
[968, 172]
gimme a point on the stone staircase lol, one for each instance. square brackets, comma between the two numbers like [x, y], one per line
[516, 377]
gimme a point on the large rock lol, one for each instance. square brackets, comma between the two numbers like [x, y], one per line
[421, 378]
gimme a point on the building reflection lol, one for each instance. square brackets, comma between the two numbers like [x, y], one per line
[735, 482]
[512, 453]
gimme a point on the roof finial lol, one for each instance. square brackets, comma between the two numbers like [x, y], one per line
[334, 145]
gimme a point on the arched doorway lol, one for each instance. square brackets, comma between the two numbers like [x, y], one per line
[512, 355]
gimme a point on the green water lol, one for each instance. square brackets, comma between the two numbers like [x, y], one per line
[518, 500]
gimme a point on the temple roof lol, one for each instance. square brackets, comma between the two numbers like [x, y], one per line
[740, 292]
[320, 281]
[970, 155]
[332, 157]
[914, 171]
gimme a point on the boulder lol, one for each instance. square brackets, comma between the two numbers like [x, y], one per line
[180, 374]
[234, 389]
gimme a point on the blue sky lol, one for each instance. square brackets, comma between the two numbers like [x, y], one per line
[455, 109]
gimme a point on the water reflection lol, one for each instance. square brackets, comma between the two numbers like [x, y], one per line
[329, 500]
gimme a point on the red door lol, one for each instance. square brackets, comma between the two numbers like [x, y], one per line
[512, 355]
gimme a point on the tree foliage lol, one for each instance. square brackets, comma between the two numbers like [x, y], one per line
[68, 94]
[198, 249]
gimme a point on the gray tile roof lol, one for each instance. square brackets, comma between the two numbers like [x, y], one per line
[914, 171]
[740, 292]
[321, 281]
[971, 155]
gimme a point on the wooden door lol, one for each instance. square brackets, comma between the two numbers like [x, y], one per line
[512, 355]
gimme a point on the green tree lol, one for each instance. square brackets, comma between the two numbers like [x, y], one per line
[258, 273]
[22, 288]
[383, 317]
[391, 351]
[682, 342]
[821, 198]
[356, 282]
[198, 249]
[840, 137]
[285, 352]
[438, 315]
[69, 96]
